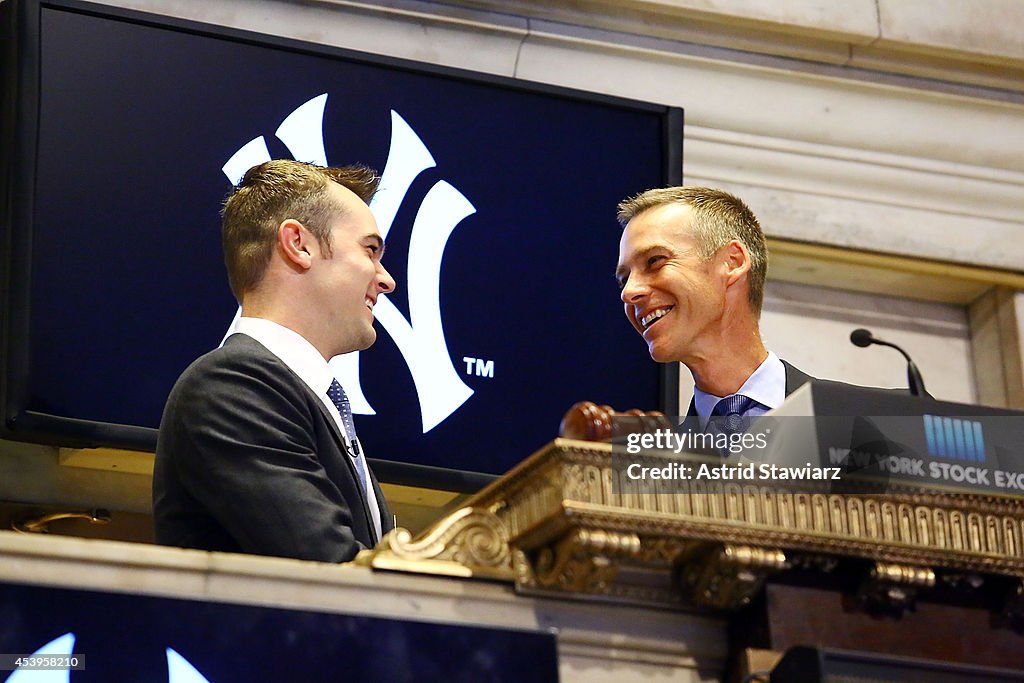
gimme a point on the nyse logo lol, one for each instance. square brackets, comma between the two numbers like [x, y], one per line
[420, 339]
[954, 438]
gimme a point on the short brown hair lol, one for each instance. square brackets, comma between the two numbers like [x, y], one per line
[271, 193]
[719, 217]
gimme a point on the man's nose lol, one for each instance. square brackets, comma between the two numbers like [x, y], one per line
[385, 283]
[632, 291]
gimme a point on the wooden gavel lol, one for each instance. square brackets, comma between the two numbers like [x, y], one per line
[588, 421]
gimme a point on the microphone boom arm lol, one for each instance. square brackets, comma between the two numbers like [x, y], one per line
[863, 338]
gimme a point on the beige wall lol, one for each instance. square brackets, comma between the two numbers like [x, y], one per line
[810, 327]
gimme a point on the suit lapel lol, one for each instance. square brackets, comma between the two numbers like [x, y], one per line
[343, 448]
[795, 378]
[692, 410]
[349, 458]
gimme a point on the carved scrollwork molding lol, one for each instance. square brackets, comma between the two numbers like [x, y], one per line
[584, 561]
[468, 542]
[729, 576]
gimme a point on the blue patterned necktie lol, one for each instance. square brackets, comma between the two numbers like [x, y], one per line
[340, 400]
[727, 416]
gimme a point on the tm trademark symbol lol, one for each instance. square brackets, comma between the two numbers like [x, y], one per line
[479, 366]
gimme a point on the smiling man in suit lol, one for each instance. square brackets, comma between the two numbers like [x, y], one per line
[257, 452]
[692, 266]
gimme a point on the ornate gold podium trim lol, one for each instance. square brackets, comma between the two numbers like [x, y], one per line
[469, 542]
[555, 523]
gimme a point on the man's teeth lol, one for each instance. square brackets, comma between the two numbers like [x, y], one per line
[369, 304]
[654, 315]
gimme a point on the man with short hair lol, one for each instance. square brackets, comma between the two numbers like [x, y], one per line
[692, 266]
[257, 452]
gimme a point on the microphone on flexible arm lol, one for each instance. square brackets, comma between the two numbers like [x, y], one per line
[863, 338]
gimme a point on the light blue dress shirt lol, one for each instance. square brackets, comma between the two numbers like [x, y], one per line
[767, 386]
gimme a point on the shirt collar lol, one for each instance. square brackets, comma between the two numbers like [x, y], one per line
[293, 349]
[767, 386]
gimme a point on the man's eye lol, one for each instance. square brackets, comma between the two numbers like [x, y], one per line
[654, 260]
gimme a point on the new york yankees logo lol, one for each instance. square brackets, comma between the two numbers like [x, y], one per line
[420, 339]
[179, 669]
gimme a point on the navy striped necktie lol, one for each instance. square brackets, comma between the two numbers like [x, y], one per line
[728, 414]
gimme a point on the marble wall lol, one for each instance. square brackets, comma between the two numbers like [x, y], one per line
[810, 327]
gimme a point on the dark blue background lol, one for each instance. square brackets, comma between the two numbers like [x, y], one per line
[128, 282]
[124, 638]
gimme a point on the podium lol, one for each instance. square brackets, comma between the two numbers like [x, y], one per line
[912, 566]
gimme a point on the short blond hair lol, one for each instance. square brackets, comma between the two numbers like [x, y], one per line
[718, 218]
[271, 193]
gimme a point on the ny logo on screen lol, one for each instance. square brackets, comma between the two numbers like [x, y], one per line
[420, 339]
[53, 663]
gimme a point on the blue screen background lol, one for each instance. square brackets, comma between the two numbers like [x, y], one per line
[128, 283]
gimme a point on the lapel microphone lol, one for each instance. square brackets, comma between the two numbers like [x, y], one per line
[863, 338]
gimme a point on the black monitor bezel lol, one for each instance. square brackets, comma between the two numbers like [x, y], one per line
[20, 73]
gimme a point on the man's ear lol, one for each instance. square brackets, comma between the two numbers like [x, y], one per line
[294, 241]
[736, 261]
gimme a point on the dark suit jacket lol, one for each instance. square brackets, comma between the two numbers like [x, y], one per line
[250, 460]
[795, 378]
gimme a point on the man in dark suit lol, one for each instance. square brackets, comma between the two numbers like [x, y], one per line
[257, 452]
[692, 266]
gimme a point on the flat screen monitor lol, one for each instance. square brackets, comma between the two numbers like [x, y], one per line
[122, 134]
